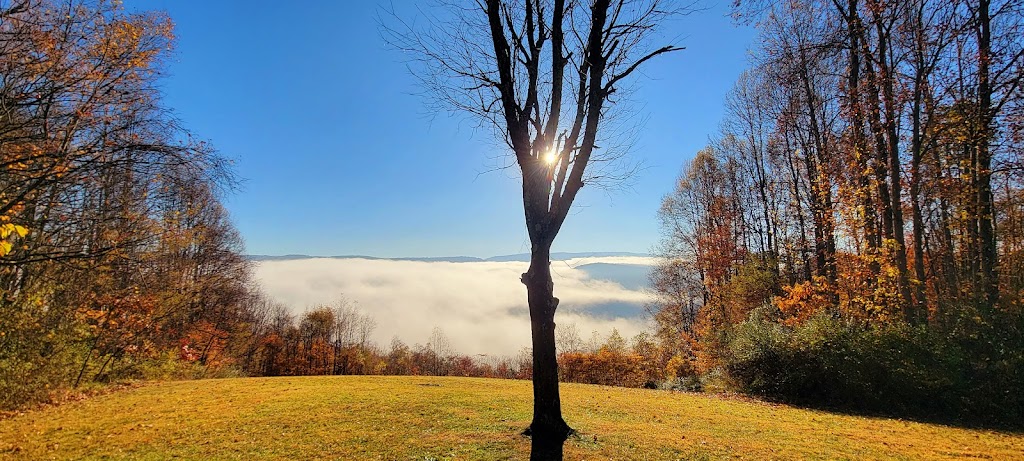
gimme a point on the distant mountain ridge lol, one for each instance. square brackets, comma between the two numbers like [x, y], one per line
[522, 257]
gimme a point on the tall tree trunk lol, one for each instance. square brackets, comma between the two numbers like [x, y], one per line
[859, 143]
[548, 430]
[986, 228]
[891, 107]
[920, 303]
[798, 201]
[881, 155]
[917, 154]
[771, 246]
[820, 182]
[880, 79]
[531, 116]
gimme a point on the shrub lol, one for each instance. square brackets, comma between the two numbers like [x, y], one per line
[894, 369]
[679, 366]
[607, 367]
[39, 353]
[686, 384]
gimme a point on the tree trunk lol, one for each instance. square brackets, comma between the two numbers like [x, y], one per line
[798, 201]
[986, 211]
[890, 106]
[548, 430]
[859, 144]
[918, 128]
[820, 182]
[920, 301]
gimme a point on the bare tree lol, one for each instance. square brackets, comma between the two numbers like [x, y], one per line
[441, 352]
[567, 339]
[543, 74]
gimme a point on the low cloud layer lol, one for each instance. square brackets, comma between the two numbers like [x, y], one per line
[481, 306]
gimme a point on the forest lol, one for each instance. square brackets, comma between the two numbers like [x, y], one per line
[852, 235]
[852, 238]
[115, 247]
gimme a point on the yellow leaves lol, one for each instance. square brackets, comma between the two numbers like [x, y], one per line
[678, 367]
[7, 232]
[7, 229]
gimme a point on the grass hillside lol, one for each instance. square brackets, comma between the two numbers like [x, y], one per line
[424, 418]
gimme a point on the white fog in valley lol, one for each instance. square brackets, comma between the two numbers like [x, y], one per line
[480, 305]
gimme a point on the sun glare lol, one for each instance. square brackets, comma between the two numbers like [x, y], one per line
[549, 158]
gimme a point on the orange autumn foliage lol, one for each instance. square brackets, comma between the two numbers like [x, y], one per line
[802, 300]
[607, 367]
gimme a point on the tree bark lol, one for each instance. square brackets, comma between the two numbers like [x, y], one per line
[920, 313]
[862, 161]
[890, 107]
[548, 430]
[917, 147]
[986, 210]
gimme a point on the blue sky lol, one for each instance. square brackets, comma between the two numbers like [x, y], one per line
[340, 157]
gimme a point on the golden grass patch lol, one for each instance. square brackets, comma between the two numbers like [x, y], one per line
[422, 418]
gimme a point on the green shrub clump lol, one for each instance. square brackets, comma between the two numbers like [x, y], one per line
[895, 369]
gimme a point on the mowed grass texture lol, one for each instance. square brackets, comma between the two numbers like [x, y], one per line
[428, 418]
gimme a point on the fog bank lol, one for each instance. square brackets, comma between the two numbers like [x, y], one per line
[481, 306]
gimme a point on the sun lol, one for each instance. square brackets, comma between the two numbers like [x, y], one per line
[549, 158]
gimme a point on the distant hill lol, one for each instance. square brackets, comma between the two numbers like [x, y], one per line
[630, 276]
[560, 256]
[276, 257]
[453, 259]
[522, 257]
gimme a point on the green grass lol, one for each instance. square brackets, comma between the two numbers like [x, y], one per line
[424, 418]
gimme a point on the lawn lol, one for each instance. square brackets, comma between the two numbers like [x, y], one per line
[427, 418]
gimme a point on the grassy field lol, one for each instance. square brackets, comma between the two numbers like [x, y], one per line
[425, 418]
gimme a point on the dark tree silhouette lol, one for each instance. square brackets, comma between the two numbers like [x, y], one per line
[542, 73]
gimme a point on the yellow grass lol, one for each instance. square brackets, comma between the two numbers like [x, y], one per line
[424, 418]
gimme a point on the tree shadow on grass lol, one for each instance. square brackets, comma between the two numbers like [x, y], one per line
[975, 420]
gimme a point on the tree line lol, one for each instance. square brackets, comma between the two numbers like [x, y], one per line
[335, 340]
[864, 192]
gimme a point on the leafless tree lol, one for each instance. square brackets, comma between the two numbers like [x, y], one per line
[543, 74]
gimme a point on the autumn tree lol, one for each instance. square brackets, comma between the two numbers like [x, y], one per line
[880, 199]
[115, 246]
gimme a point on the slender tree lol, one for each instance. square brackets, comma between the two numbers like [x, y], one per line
[542, 73]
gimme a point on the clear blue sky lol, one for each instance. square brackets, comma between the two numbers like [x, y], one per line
[339, 157]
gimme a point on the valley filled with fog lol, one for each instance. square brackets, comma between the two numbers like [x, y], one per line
[479, 304]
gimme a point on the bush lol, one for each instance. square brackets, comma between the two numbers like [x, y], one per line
[679, 366]
[686, 384]
[38, 355]
[606, 366]
[892, 369]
